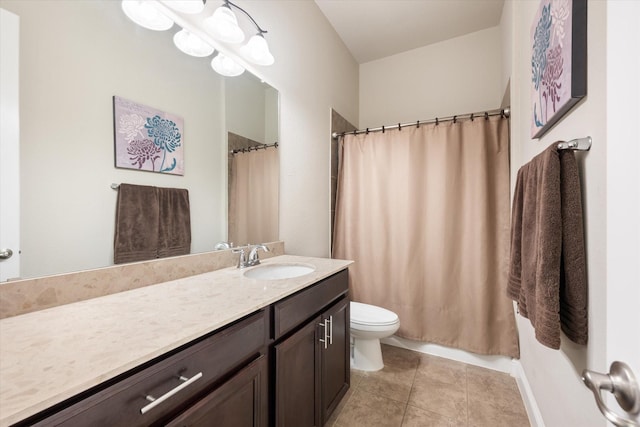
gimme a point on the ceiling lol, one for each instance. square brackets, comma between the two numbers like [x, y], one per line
[374, 29]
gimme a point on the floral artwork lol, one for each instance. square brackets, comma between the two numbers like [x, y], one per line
[557, 79]
[147, 139]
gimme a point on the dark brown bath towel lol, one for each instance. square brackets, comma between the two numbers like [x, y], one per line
[174, 234]
[547, 273]
[151, 223]
[137, 214]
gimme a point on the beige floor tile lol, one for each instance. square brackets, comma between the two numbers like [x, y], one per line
[399, 357]
[356, 377]
[439, 392]
[416, 417]
[392, 381]
[494, 399]
[332, 421]
[441, 369]
[367, 410]
[447, 399]
[488, 414]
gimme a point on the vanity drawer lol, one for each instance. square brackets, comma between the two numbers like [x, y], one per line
[294, 310]
[215, 357]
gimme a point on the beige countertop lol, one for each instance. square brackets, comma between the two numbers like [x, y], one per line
[50, 355]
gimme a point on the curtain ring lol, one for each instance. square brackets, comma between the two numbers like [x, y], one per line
[471, 117]
[367, 131]
[355, 132]
[502, 113]
[399, 126]
[486, 115]
[437, 123]
[455, 119]
[382, 129]
[418, 123]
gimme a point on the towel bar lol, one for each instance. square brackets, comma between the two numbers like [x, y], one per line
[579, 144]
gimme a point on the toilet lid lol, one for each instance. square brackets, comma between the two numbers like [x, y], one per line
[365, 314]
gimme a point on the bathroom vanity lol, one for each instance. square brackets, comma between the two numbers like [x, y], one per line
[213, 349]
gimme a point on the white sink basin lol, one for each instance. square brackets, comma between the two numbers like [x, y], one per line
[279, 271]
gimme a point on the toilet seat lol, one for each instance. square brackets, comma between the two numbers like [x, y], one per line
[365, 315]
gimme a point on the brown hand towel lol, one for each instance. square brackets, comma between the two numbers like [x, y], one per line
[573, 282]
[174, 232]
[547, 268]
[136, 233]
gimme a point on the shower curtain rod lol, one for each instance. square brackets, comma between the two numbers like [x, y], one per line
[254, 148]
[504, 112]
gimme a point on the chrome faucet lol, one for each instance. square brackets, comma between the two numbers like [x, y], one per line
[242, 259]
[222, 245]
[253, 254]
[253, 258]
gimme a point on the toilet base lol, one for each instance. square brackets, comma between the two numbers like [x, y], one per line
[367, 355]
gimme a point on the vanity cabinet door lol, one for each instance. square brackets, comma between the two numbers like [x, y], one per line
[240, 402]
[297, 388]
[335, 370]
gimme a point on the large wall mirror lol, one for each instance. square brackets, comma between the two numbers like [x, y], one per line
[74, 57]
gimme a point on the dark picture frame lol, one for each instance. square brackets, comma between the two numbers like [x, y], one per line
[558, 62]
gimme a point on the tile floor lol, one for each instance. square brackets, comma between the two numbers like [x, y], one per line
[416, 389]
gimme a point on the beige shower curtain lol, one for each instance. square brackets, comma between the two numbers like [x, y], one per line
[424, 212]
[253, 197]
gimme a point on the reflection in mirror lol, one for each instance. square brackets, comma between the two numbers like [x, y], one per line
[74, 57]
[253, 163]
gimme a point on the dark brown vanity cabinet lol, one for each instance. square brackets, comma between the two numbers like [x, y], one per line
[197, 384]
[286, 364]
[312, 363]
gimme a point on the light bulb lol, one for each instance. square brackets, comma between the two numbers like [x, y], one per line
[146, 14]
[226, 66]
[223, 25]
[257, 51]
[186, 6]
[191, 44]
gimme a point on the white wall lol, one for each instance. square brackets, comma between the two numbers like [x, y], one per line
[554, 375]
[74, 56]
[67, 82]
[456, 76]
[314, 72]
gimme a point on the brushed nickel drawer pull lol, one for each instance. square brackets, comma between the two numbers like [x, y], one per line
[330, 320]
[155, 402]
[325, 341]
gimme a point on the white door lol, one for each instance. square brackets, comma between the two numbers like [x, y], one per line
[9, 147]
[623, 188]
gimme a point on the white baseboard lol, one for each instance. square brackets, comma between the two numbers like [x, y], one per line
[533, 412]
[497, 363]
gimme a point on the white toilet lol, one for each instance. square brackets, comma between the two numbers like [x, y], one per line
[369, 323]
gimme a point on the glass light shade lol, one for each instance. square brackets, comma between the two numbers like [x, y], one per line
[257, 51]
[226, 66]
[192, 44]
[223, 25]
[185, 6]
[146, 14]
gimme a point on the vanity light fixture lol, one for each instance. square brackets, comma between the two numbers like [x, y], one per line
[146, 14]
[257, 51]
[186, 6]
[192, 44]
[226, 66]
[223, 25]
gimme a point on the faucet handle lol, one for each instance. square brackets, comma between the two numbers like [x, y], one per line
[253, 255]
[242, 260]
